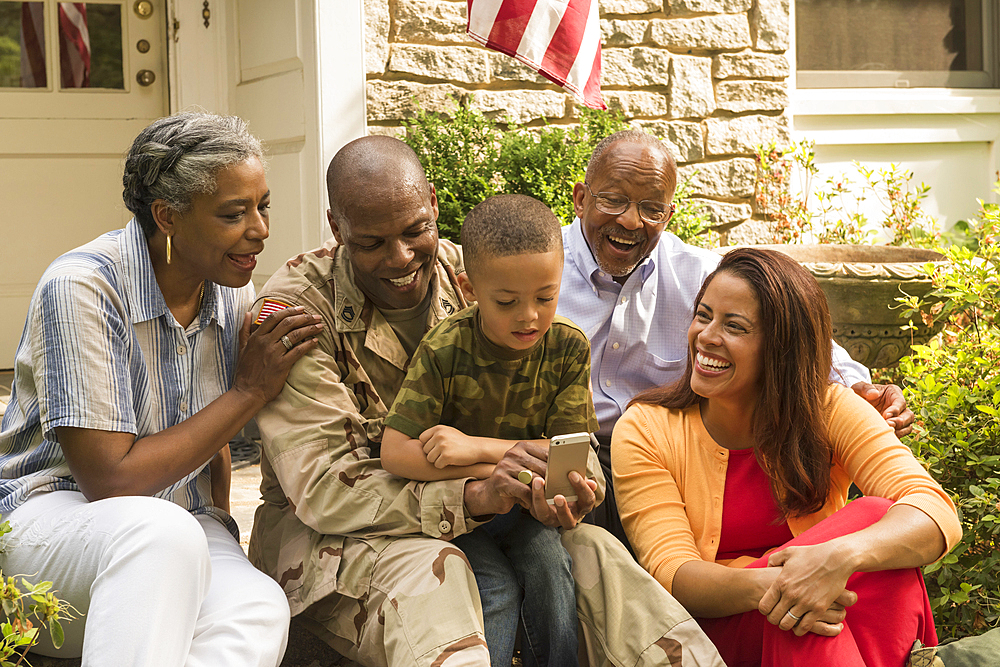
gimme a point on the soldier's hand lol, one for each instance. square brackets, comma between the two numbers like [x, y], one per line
[563, 513]
[498, 493]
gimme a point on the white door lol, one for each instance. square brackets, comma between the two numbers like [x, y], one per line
[78, 81]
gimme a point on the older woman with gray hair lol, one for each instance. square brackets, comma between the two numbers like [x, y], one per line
[135, 368]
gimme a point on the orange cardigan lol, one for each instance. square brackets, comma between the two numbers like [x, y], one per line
[670, 476]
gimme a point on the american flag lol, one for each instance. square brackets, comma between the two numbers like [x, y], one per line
[270, 307]
[559, 39]
[74, 45]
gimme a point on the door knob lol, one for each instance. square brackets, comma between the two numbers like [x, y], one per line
[145, 77]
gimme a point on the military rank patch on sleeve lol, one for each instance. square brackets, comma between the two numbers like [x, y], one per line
[270, 307]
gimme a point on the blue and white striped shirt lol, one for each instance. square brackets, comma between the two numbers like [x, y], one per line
[638, 331]
[101, 350]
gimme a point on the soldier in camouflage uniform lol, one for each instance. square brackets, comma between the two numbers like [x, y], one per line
[363, 555]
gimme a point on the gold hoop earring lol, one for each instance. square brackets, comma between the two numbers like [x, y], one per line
[168, 249]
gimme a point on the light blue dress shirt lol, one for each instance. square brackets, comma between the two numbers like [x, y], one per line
[101, 350]
[638, 331]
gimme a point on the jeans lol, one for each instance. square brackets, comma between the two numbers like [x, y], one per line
[523, 571]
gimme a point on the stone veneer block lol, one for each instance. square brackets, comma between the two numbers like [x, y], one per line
[396, 131]
[728, 179]
[521, 106]
[506, 68]
[637, 67]
[376, 36]
[769, 21]
[739, 96]
[465, 64]
[726, 136]
[724, 215]
[630, 6]
[750, 65]
[619, 32]
[724, 31]
[752, 232]
[686, 141]
[431, 21]
[684, 7]
[691, 94]
[393, 100]
[636, 103]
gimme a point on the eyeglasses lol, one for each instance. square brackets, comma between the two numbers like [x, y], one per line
[612, 203]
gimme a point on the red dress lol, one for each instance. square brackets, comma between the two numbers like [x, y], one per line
[892, 608]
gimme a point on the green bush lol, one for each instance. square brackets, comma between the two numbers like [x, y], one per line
[469, 157]
[953, 387]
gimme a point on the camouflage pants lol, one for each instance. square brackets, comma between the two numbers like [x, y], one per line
[422, 609]
[627, 619]
[431, 614]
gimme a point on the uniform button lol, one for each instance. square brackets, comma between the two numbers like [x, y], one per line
[615, 346]
[624, 299]
[181, 349]
[184, 406]
[607, 383]
[445, 526]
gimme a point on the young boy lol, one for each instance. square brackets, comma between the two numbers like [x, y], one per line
[503, 370]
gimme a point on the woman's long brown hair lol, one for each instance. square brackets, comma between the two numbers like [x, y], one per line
[789, 423]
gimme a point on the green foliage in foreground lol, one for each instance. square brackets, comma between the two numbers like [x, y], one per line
[953, 386]
[469, 157]
[35, 601]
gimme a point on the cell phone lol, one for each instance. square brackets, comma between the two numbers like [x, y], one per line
[566, 454]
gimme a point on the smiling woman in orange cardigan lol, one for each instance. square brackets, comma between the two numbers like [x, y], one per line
[732, 485]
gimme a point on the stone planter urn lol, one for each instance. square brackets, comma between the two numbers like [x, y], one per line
[861, 284]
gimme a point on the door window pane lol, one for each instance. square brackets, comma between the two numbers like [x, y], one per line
[22, 45]
[90, 45]
[922, 40]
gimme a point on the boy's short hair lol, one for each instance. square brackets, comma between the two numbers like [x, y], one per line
[506, 225]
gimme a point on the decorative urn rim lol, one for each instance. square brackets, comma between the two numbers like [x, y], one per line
[860, 262]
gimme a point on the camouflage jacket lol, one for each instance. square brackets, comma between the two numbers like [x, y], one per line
[323, 484]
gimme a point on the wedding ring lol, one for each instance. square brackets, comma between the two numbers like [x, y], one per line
[525, 477]
[797, 618]
[287, 342]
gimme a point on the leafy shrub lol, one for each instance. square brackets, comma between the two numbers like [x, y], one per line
[36, 601]
[953, 386]
[835, 211]
[469, 157]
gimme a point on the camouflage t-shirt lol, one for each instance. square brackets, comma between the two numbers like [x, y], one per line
[457, 377]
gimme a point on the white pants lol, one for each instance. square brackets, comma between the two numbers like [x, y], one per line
[157, 585]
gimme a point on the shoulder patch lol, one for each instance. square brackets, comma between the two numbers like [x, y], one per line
[347, 313]
[448, 306]
[270, 307]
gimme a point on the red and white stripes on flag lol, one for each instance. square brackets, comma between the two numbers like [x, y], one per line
[74, 45]
[559, 39]
[33, 45]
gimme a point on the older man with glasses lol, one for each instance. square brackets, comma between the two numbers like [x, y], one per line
[630, 285]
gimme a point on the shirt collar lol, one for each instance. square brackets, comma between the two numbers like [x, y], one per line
[140, 287]
[580, 251]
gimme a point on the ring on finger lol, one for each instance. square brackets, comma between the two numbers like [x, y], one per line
[287, 342]
[797, 618]
[525, 477]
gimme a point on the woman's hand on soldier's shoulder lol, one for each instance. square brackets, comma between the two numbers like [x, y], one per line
[267, 354]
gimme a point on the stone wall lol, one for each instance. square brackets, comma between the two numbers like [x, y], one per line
[708, 76]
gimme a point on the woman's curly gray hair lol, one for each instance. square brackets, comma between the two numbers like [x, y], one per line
[178, 157]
